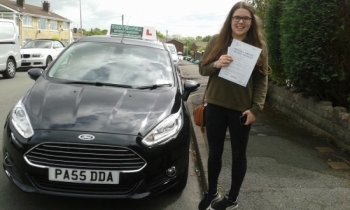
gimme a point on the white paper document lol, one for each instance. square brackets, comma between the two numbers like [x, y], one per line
[244, 57]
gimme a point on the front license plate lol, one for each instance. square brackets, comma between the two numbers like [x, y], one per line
[83, 176]
[23, 61]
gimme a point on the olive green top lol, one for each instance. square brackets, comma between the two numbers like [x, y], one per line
[230, 95]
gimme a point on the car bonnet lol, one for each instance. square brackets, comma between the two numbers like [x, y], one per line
[54, 106]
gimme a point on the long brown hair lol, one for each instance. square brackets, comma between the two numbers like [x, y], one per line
[255, 37]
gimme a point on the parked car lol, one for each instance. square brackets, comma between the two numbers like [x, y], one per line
[40, 52]
[173, 53]
[10, 55]
[107, 119]
[179, 54]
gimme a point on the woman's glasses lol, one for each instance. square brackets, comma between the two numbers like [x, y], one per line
[244, 19]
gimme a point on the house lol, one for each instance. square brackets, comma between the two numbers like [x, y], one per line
[36, 22]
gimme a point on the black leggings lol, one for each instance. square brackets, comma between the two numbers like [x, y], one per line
[217, 120]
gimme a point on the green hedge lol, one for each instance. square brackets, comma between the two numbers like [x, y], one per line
[272, 27]
[315, 46]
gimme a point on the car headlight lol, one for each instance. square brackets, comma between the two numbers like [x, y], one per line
[20, 120]
[165, 130]
[38, 55]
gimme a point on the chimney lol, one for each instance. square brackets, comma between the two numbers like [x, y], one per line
[46, 6]
[20, 3]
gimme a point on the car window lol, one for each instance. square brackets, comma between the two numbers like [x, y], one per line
[7, 30]
[113, 63]
[44, 44]
[58, 44]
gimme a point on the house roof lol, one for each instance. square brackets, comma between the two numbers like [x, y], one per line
[175, 41]
[200, 44]
[31, 9]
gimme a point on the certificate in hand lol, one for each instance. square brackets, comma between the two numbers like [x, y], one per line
[244, 57]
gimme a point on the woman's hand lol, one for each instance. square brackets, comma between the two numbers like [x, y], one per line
[223, 61]
[250, 117]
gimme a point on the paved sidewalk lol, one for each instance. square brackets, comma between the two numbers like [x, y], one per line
[286, 169]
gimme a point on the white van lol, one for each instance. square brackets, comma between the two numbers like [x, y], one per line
[10, 53]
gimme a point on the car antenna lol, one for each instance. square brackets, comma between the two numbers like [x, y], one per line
[125, 30]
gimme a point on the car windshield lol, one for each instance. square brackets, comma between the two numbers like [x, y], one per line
[46, 44]
[118, 64]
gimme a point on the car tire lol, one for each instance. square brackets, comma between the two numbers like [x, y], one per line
[10, 70]
[48, 60]
[181, 185]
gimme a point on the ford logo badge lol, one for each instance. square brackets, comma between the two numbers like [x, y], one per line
[86, 137]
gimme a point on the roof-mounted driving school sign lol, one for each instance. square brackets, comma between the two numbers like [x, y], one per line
[133, 32]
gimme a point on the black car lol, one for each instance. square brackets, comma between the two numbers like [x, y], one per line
[106, 119]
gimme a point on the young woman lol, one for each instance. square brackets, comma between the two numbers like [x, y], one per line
[228, 101]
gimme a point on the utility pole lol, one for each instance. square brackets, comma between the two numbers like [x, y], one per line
[166, 36]
[81, 25]
[122, 19]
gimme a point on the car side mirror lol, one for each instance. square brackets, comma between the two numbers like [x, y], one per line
[35, 73]
[189, 87]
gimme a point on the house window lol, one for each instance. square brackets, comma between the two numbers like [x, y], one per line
[65, 26]
[27, 21]
[53, 25]
[42, 24]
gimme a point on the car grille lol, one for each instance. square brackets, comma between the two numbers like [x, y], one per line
[25, 55]
[100, 189]
[85, 156]
[25, 64]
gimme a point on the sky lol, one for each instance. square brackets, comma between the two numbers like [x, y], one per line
[187, 18]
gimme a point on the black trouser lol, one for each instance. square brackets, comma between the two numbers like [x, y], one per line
[217, 120]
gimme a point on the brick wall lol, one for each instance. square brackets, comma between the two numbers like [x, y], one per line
[318, 116]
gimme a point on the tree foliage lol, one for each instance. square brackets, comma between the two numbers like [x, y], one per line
[160, 35]
[202, 48]
[315, 45]
[95, 31]
[260, 7]
[206, 38]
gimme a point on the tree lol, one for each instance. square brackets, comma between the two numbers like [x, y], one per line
[95, 31]
[199, 38]
[177, 37]
[260, 7]
[188, 41]
[202, 48]
[206, 38]
[160, 35]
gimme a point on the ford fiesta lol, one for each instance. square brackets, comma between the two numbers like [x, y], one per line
[106, 119]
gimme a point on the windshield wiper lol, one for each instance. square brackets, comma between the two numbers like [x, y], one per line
[100, 84]
[155, 86]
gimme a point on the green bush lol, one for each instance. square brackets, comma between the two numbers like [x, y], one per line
[315, 40]
[272, 27]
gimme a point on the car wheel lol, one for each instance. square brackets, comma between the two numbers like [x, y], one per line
[180, 186]
[10, 71]
[48, 60]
